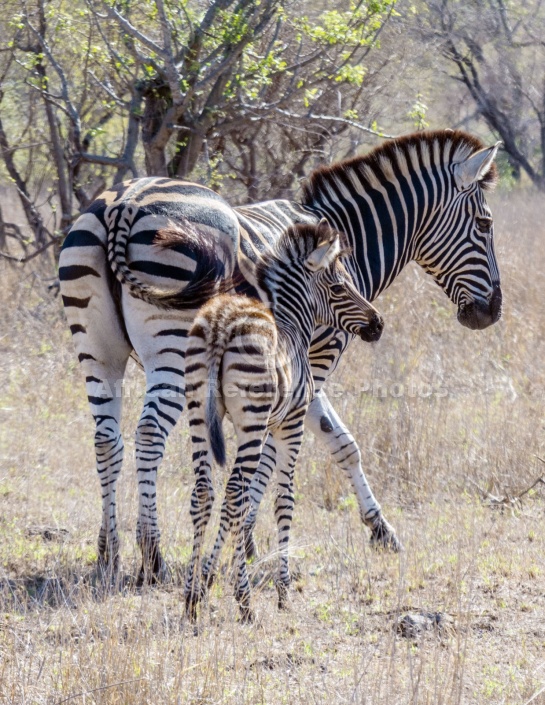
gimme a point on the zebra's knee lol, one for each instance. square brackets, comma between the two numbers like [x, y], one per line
[148, 427]
[108, 445]
[150, 439]
[349, 455]
[203, 493]
[235, 504]
[234, 491]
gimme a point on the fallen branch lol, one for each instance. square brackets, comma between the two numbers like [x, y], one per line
[101, 688]
[508, 500]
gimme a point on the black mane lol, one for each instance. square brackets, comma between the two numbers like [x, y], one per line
[457, 140]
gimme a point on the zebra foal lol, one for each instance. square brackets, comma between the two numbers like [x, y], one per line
[250, 359]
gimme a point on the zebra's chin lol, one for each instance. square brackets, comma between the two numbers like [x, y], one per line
[479, 314]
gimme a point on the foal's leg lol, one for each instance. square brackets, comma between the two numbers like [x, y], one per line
[288, 438]
[202, 497]
[233, 511]
[251, 429]
[258, 486]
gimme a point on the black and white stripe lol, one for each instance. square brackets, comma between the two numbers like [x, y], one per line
[418, 198]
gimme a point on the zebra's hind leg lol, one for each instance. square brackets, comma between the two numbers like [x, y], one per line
[202, 497]
[288, 438]
[160, 340]
[258, 486]
[233, 513]
[109, 453]
[103, 351]
[162, 407]
[325, 423]
[105, 398]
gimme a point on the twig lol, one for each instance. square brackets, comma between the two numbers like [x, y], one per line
[535, 695]
[332, 118]
[22, 260]
[102, 687]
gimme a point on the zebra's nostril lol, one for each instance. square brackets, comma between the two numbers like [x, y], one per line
[377, 323]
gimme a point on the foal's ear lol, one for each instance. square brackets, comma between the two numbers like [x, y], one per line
[327, 248]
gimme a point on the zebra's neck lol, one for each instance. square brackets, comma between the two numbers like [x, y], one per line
[384, 225]
[385, 214]
[291, 306]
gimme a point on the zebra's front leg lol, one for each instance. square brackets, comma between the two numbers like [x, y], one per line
[162, 407]
[325, 423]
[258, 486]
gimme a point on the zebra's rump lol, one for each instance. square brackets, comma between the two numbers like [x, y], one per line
[160, 205]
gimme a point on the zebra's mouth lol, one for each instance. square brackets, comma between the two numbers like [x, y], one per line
[372, 331]
[479, 314]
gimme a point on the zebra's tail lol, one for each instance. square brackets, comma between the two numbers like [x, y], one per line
[213, 420]
[208, 279]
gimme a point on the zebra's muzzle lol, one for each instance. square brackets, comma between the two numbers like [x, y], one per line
[480, 314]
[373, 330]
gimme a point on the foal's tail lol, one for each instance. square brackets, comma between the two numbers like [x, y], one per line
[213, 419]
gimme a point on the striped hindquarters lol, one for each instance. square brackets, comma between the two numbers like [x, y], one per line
[230, 366]
[197, 226]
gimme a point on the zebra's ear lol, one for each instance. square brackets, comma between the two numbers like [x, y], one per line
[326, 251]
[475, 167]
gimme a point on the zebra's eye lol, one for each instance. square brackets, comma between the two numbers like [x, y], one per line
[337, 289]
[484, 224]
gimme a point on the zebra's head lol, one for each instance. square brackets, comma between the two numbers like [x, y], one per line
[457, 244]
[421, 197]
[338, 304]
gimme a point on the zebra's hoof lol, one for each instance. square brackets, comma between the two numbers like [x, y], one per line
[383, 536]
[283, 596]
[108, 572]
[154, 570]
[159, 574]
[247, 615]
[195, 593]
[191, 603]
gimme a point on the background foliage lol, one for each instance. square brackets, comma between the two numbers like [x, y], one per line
[248, 96]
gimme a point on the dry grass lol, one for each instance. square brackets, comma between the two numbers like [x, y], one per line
[62, 641]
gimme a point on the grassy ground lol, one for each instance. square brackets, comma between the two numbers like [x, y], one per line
[444, 416]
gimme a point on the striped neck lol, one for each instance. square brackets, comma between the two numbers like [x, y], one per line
[393, 203]
[285, 289]
[383, 223]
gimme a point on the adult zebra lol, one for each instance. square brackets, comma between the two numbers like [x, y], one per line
[421, 197]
